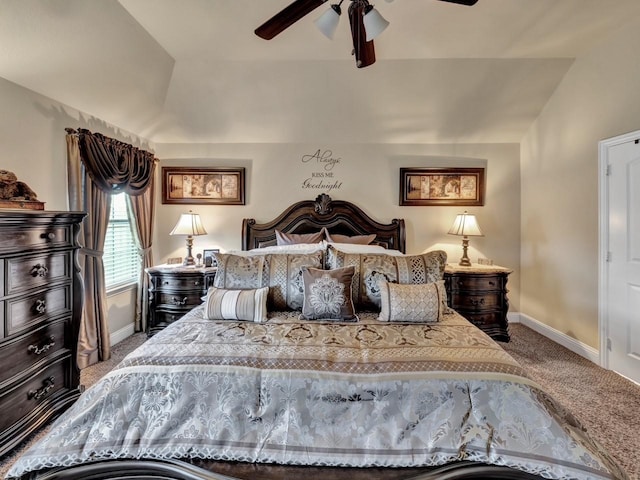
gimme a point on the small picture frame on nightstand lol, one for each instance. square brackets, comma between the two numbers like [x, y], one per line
[209, 258]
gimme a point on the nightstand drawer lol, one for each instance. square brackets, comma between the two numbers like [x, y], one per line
[471, 283]
[469, 301]
[184, 283]
[163, 318]
[179, 299]
[25, 273]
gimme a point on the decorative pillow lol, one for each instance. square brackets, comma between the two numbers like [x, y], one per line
[282, 273]
[370, 268]
[247, 305]
[423, 302]
[293, 238]
[354, 239]
[327, 294]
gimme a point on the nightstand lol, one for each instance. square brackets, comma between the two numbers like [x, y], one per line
[479, 293]
[173, 291]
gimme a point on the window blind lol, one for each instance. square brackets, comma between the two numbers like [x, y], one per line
[121, 258]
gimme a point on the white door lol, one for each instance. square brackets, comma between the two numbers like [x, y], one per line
[621, 265]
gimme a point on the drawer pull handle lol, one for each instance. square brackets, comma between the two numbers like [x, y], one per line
[39, 270]
[166, 282]
[47, 385]
[50, 236]
[177, 301]
[40, 350]
[492, 283]
[41, 306]
[196, 283]
[475, 303]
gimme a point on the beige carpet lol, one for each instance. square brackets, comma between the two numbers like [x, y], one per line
[607, 404]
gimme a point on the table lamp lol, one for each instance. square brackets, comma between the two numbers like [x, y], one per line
[189, 224]
[465, 225]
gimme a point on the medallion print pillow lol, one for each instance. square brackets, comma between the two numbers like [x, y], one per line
[327, 294]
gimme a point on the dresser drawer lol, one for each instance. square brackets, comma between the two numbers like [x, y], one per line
[471, 302]
[182, 283]
[26, 273]
[27, 238]
[21, 353]
[480, 283]
[37, 389]
[29, 311]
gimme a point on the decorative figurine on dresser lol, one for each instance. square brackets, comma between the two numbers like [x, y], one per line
[40, 312]
[479, 293]
[173, 291]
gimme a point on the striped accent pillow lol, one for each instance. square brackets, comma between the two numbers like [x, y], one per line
[246, 305]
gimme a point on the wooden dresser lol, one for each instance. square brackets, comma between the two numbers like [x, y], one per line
[173, 291]
[41, 304]
[479, 293]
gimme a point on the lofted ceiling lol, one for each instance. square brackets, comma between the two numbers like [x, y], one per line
[176, 71]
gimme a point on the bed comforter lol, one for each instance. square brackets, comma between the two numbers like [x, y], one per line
[315, 393]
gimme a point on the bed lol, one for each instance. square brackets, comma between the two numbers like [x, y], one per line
[318, 392]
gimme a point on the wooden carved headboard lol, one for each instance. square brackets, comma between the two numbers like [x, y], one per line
[337, 216]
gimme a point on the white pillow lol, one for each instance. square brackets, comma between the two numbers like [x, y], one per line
[295, 248]
[355, 248]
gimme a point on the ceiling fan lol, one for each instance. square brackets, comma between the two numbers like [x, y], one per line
[366, 23]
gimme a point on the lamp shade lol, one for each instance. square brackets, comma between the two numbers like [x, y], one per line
[327, 23]
[189, 224]
[374, 23]
[466, 225]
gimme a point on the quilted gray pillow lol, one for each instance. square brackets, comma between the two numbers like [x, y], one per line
[282, 273]
[371, 268]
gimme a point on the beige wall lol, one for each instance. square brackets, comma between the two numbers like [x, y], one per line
[598, 98]
[32, 145]
[369, 176]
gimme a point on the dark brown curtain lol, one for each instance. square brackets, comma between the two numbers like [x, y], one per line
[99, 166]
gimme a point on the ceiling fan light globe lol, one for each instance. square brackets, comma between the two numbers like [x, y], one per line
[374, 24]
[327, 23]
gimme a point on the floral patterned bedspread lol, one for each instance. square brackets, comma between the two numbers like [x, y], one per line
[293, 392]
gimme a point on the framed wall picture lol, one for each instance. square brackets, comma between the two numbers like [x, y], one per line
[442, 186]
[207, 257]
[215, 186]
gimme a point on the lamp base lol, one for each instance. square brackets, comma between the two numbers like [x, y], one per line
[188, 260]
[464, 261]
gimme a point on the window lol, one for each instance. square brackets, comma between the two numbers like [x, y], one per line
[121, 258]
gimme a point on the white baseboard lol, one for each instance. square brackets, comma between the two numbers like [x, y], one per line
[560, 338]
[122, 333]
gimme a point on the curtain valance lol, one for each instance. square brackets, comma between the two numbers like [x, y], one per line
[115, 166]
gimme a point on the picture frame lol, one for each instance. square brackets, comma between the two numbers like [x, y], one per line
[207, 186]
[442, 186]
[208, 260]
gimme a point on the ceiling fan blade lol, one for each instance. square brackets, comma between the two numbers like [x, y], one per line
[469, 3]
[287, 17]
[364, 51]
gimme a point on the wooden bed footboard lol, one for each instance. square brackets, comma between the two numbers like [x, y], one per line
[214, 470]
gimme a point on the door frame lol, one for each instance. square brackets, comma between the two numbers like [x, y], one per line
[603, 243]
